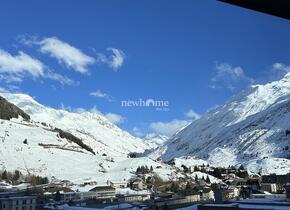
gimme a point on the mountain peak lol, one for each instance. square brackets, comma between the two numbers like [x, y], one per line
[250, 125]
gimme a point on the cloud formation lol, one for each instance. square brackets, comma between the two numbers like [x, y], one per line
[115, 118]
[71, 56]
[114, 61]
[231, 78]
[168, 128]
[137, 132]
[66, 54]
[20, 64]
[100, 94]
[278, 71]
[14, 68]
[192, 114]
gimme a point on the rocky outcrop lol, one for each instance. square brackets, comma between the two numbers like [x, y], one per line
[9, 110]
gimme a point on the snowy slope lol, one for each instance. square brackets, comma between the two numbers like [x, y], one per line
[153, 140]
[47, 154]
[93, 128]
[251, 128]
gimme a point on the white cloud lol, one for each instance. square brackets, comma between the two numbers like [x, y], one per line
[67, 54]
[115, 61]
[232, 78]
[117, 58]
[192, 114]
[278, 71]
[60, 78]
[168, 128]
[20, 64]
[100, 94]
[137, 132]
[115, 118]
[71, 56]
[14, 68]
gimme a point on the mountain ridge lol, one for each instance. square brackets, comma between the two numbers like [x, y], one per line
[245, 130]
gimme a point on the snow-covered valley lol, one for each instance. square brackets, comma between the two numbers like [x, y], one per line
[250, 129]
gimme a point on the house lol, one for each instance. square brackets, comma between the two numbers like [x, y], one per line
[104, 192]
[207, 194]
[269, 187]
[138, 184]
[224, 193]
[133, 197]
[18, 203]
[240, 182]
[117, 184]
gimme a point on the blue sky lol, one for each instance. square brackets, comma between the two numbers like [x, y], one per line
[95, 54]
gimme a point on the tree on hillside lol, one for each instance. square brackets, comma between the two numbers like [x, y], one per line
[196, 178]
[207, 179]
[4, 175]
[241, 167]
[217, 172]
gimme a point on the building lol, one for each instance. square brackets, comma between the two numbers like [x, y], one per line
[207, 194]
[18, 203]
[225, 193]
[269, 187]
[177, 201]
[249, 204]
[77, 196]
[279, 180]
[117, 184]
[104, 192]
[138, 184]
[133, 197]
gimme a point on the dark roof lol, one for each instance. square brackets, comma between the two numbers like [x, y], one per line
[99, 188]
[279, 8]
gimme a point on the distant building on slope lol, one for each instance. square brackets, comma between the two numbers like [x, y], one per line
[137, 184]
[117, 184]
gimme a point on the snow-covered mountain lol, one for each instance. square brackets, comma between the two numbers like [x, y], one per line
[63, 144]
[154, 140]
[252, 128]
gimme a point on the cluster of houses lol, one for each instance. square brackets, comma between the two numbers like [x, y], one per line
[235, 184]
[105, 193]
